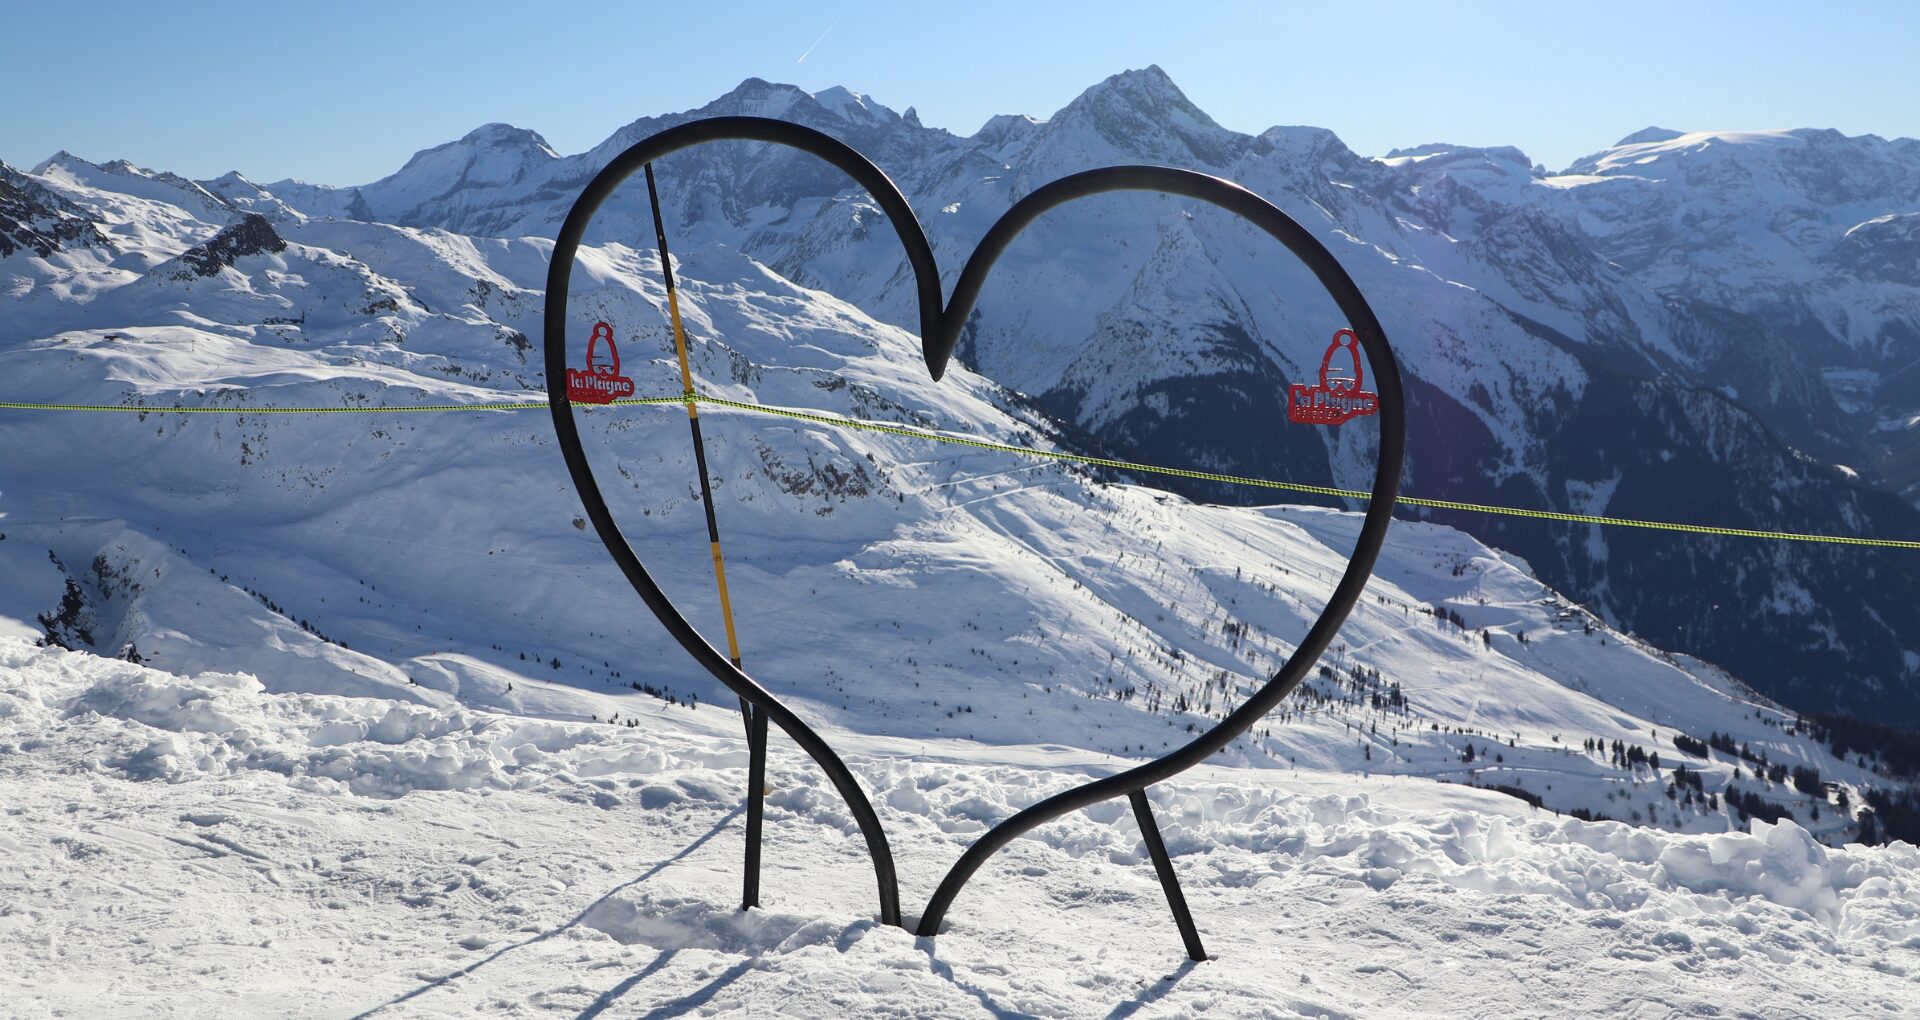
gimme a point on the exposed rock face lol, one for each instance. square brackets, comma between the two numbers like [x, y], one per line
[34, 218]
[1884, 249]
[251, 234]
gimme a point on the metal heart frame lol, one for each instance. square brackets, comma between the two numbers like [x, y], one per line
[940, 328]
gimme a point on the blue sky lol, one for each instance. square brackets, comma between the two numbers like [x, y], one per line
[344, 93]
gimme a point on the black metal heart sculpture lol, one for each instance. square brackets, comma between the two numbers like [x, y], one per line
[939, 331]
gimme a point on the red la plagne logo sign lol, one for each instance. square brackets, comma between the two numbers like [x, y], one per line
[1338, 398]
[600, 382]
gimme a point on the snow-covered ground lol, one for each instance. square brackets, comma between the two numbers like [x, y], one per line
[195, 846]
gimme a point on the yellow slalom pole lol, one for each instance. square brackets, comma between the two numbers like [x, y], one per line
[756, 717]
[693, 420]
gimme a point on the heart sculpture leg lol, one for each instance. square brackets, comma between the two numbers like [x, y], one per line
[765, 707]
[756, 801]
[1386, 486]
[1163, 866]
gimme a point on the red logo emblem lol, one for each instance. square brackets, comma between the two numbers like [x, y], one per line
[600, 382]
[1339, 397]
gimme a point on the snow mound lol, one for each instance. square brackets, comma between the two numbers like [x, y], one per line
[182, 729]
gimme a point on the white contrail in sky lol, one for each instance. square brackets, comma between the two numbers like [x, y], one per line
[823, 38]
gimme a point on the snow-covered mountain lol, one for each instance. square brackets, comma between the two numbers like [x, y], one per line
[1719, 328]
[440, 558]
[387, 620]
[1807, 234]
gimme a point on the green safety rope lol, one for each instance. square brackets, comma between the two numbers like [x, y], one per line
[1023, 451]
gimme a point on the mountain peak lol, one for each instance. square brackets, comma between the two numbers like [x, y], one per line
[498, 135]
[489, 154]
[1151, 76]
[1505, 152]
[1649, 134]
[58, 159]
[1146, 89]
[1006, 127]
[1143, 114]
[854, 106]
[1302, 140]
[758, 97]
[756, 85]
[1444, 154]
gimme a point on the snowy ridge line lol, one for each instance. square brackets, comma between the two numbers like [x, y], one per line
[1025, 451]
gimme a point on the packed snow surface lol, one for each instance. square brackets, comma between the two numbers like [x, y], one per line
[197, 846]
